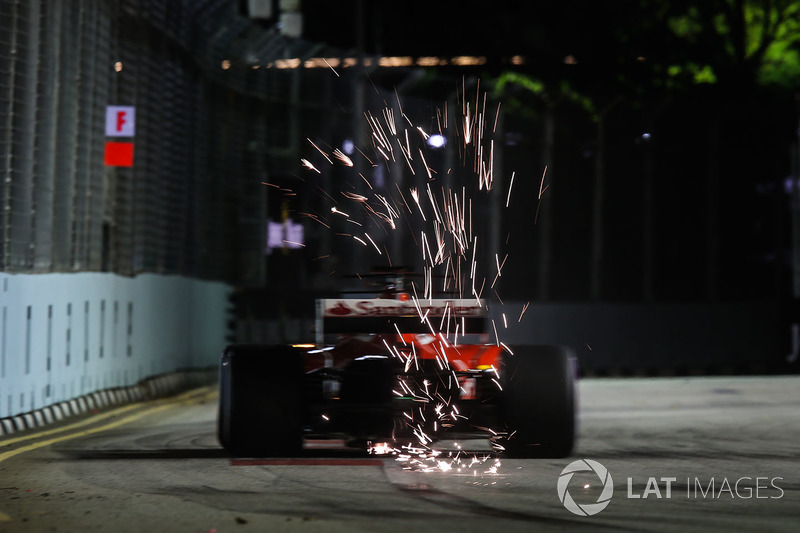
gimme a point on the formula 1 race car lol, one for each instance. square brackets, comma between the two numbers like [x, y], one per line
[390, 370]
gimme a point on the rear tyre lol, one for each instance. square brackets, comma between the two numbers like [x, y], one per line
[538, 401]
[366, 398]
[261, 401]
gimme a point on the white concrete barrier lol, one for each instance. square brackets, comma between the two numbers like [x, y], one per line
[63, 336]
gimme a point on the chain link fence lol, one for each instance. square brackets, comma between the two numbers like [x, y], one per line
[207, 136]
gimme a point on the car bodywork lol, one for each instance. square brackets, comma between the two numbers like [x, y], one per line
[402, 370]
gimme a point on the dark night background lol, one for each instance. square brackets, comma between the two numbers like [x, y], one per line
[683, 115]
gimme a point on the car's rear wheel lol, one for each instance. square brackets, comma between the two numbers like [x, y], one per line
[366, 398]
[538, 401]
[261, 401]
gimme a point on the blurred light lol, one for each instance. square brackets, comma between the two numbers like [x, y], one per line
[322, 62]
[437, 141]
[118, 66]
[326, 349]
[396, 61]
[291, 23]
[570, 60]
[468, 61]
[430, 61]
[287, 63]
[513, 138]
[646, 136]
[384, 62]
[226, 64]
[348, 147]
[641, 59]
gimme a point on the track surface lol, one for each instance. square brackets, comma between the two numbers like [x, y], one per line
[159, 468]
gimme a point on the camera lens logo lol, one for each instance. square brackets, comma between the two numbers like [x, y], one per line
[585, 465]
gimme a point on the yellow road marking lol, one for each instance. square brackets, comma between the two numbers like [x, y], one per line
[41, 444]
[4, 517]
[178, 400]
[92, 420]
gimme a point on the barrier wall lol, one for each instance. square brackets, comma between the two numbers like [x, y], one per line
[66, 335]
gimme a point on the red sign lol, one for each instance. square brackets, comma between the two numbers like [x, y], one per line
[119, 154]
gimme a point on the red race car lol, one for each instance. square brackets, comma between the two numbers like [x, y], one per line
[401, 370]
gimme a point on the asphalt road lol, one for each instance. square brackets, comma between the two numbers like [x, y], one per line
[696, 454]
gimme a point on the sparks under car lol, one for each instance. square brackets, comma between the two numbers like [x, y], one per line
[402, 370]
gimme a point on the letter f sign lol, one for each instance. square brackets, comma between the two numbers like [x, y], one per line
[120, 121]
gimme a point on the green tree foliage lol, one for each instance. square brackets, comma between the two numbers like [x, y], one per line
[747, 42]
[593, 53]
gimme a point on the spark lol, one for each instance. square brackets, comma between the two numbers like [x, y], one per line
[355, 197]
[467, 127]
[524, 308]
[511, 184]
[306, 163]
[329, 65]
[444, 240]
[425, 163]
[399, 335]
[316, 219]
[542, 188]
[365, 156]
[366, 181]
[415, 195]
[341, 156]
[496, 117]
[320, 151]
[373, 244]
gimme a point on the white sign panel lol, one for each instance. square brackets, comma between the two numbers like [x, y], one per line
[389, 308]
[120, 121]
[284, 235]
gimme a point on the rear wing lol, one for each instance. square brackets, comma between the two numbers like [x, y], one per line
[375, 315]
